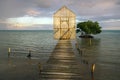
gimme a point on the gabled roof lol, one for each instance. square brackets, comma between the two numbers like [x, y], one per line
[64, 11]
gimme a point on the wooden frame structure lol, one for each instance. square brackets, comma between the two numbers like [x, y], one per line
[64, 22]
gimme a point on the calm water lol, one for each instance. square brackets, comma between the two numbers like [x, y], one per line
[18, 66]
[104, 51]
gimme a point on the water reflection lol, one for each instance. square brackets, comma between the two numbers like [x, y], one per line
[9, 61]
[92, 77]
[89, 50]
[88, 42]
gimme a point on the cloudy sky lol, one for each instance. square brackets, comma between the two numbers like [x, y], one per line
[37, 14]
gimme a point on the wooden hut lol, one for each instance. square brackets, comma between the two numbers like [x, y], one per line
[64, 22]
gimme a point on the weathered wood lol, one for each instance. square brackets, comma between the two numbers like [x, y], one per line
[64, 24]
[61, 64]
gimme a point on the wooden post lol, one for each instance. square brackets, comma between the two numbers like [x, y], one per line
[9, 51]
[81, 51]
[90, 41]
[40, 68]
[92, 68]
[77, 46]
[29, 54]
[92, 71]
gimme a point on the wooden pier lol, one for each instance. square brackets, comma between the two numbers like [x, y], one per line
[62, 64]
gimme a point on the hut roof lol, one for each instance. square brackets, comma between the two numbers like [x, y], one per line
[64, 11]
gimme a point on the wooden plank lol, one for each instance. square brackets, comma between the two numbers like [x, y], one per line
[61, 64]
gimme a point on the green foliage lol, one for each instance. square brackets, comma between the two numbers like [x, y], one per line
[89, 27]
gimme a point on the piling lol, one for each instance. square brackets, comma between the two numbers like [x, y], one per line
[39, 67]
[9, 51]
[29, 54]
[90, 42]
[92, 68]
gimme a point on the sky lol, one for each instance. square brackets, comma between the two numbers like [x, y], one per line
[38, 14]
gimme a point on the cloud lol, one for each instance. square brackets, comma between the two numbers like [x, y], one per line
[13, 8]
[27, 21]
[32, 12]
[35, 27]
[111, 28]
[96, 7]
[111, 20]
[98, 10]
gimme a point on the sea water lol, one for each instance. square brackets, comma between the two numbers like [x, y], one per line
[18, 66]
[103, 51]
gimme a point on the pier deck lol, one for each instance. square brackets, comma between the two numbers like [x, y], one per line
[62, 64]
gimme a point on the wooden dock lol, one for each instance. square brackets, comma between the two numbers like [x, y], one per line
[62, 64]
